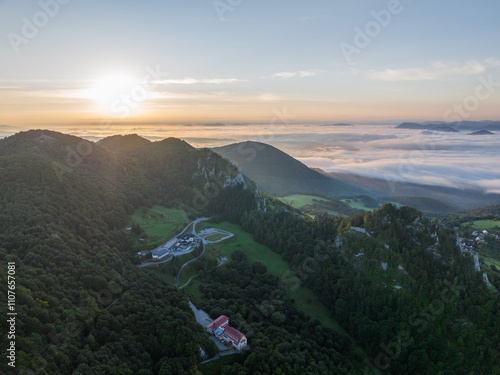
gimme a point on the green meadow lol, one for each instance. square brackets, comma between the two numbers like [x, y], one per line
[485, 224]
[159, 223]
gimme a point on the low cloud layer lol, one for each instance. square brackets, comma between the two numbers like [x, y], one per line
[454, 160]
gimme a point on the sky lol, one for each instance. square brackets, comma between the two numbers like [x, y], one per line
[81, 64]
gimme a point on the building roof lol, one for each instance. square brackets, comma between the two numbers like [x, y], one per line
[217, 322]
[234, 334]
[161, 251]
[219, 331]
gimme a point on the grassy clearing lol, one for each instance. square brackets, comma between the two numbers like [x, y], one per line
[159, 223]
[300, 200]
[193, 290]
[484, 224]
[163, 271]
[490, 261]
[358, 203]
[188, 272]
[244, 242]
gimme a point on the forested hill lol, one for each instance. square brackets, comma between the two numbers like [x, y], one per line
[176, 169]
[124, 143]
[83, 307]
[276, 172]
[396, 282]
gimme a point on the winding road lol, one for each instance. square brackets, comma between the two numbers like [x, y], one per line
[203, 242]
[190, 261]
[146, 264]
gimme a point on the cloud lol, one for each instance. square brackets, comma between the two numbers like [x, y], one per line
[301, 74]
[193, 81]
[437, 70]
[450, 160]
[490, 186]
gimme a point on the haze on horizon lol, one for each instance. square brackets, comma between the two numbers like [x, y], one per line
[73, 63]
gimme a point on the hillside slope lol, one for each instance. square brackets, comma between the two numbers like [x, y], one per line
[176, 169]
[398, 283]
[81, 303]
[276, 172]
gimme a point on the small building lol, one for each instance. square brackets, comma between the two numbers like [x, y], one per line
[223, 331]
[160, 253]
[221, 321]
[237, 338]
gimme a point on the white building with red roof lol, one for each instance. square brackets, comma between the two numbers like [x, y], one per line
[221, 321]
[223, 331]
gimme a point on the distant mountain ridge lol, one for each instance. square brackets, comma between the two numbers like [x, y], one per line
[457, 126]
[277, 173]
[124, 143]
[427, 198]
[482, 132]
[445, 129]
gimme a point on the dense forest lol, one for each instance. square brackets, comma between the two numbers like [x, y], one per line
[83, 306]
[395, 281]
[283, 339]
[402, 289]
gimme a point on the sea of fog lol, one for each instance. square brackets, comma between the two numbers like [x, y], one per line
[434, 158]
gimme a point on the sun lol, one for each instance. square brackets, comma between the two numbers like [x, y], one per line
[112, 92]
